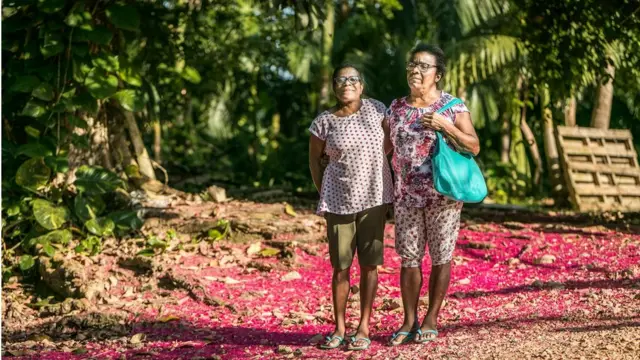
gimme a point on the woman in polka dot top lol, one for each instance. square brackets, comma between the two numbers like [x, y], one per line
[355, 190]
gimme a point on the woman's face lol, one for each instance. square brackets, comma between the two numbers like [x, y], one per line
[422, 71]
[347, 85]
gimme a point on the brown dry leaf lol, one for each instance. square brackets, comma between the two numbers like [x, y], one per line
[167, 318]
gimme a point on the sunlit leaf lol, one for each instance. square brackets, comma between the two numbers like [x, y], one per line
[34, 150]
[100, 84]
[26, 262]
[34, 109]
[96, 180]
[100, 226]
[48, 215]
[130, 100]
[191, 75]
[57, 163]
[33, 174]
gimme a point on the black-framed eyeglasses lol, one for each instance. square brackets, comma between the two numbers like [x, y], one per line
[422, 67]
[351, 80]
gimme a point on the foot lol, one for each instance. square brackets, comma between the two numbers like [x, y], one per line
[334, 340]
[400, 335]
[358, 340]
[427, 331]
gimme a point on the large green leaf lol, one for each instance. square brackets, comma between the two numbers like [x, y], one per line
[130, 76]
[34, 109]
[88, 207]
[26, 262]
[77, 122]
[191, 75]
[58, 163]
[31, 131]
[50, 6]
[124, 17]
[100, 35]
[86, 102]
[100, 84]
[48, 215]
[25, 83]
[107, 62]
[126, 219]
[78, 15]
[130, 100]
[53, 45]
[34, 150]
[33, 174]
[100, 226]
[62, 236]
[96, 180]
[44, 91]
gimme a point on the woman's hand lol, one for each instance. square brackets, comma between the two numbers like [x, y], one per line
[434, 121]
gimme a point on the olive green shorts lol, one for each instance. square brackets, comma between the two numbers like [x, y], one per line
[363, 231]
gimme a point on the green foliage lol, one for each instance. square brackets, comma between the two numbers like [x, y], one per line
[48, 215]
[220, 231]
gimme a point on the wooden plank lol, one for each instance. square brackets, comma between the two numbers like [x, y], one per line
[574, 131]
[590, 189]
[586, 167]
[600, 151]
[625, 205]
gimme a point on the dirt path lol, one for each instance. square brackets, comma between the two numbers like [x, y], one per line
[518, 291]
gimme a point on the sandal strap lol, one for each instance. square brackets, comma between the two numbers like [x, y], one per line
[330, 338]
[396, 334]
[354, 339]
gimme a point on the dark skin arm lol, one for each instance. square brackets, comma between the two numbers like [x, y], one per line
[316, 150]
[388, 146]
[462, 135]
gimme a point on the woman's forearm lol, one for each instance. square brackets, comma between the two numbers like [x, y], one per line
[317, 172]
[461, 141]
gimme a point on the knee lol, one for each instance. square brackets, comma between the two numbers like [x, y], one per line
[368, 269]
[441, 266]
[341, 274]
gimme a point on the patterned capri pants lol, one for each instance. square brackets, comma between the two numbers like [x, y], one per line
[437, 226]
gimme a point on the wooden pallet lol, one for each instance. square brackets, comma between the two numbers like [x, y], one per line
[600, 168]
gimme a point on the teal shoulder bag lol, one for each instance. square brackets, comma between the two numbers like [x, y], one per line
[456, 175]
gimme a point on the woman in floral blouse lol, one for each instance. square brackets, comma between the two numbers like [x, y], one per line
[424, 216]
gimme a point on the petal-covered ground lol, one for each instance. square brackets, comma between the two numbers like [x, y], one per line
[518, 291]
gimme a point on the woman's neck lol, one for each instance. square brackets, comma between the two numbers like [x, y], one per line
[424, 96]
[346, 109]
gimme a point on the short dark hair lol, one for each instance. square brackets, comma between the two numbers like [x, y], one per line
[347, 66]
[441, 61]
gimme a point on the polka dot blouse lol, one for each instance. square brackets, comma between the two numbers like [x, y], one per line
[358, 176]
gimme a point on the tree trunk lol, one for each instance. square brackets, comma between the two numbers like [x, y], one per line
[325, 62]
[505, 137]
[601, 115]
[570, 112]
[157, 141]
[142, 156]
[97, 154]
[551, 148]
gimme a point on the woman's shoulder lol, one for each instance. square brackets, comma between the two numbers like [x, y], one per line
[376, 105]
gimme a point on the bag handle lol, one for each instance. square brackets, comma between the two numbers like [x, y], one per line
[453, 102]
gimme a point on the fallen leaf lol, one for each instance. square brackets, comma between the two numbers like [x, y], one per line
[546, 259]
[294, 275]
[268, 252]
[231, 281]
[137, 338]
[288, 209]
[465, 281]
[168, 318]
[282, 349]
[254, 248]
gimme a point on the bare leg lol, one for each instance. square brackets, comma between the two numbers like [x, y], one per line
[410, 285]
[438, 285]
[340, 289]
[368, 288]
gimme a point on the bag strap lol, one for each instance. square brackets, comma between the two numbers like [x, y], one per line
[453, 102]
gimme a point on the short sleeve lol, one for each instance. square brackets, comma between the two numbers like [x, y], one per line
[379, 108]
[320, 127]
[459, 109]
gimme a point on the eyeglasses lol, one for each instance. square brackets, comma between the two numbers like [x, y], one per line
[351, 80]
[422, 67]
